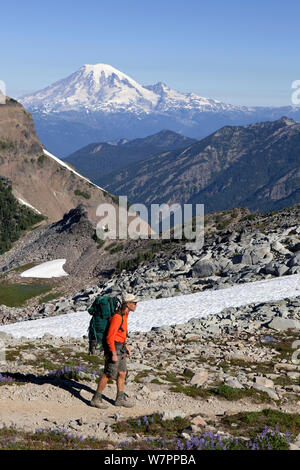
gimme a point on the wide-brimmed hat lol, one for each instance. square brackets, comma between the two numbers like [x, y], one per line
[130, 298]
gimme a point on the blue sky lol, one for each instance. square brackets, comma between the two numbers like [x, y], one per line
[237, 51]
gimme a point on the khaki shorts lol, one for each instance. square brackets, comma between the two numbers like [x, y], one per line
[111, 369]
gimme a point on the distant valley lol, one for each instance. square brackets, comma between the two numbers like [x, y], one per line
[98, 103]
[256, 166]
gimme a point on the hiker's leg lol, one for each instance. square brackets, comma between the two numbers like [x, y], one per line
[102, 383]
[121, 381]
[122, 398]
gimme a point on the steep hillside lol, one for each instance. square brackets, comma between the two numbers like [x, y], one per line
[98, 159]
[257, 166]
[39, 179]
[14, 218]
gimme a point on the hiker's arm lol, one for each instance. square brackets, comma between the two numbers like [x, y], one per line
[110, 338]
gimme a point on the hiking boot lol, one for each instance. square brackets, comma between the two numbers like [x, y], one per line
[98, 402]
[122, 400]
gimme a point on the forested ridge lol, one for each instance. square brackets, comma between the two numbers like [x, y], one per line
[14, 218]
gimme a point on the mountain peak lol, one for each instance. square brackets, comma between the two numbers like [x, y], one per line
[93, 87]
[105, 69]
[288, 121]
[101, 87]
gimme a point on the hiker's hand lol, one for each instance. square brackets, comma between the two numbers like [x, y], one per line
[127, 351]
[114, 357]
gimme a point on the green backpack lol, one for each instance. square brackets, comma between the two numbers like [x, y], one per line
[101, 310]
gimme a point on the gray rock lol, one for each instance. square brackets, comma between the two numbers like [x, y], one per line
[199, 378]
[277, 246]
[204, 268]
[295, 260]
[279, 323]
[272, 394]
[171, 414]
[233, 382]
[5, 336]
[264, 381]
[27, 356]
[175, 264]
[244, 258]
[138, 367]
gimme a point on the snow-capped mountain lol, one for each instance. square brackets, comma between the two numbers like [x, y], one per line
[97, 87]
[101, 87]
[98, 103]
[171, 100]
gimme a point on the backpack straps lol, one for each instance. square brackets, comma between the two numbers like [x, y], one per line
[112, 308]
[119, 312]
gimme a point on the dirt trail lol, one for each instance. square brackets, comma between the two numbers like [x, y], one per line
[34, 406]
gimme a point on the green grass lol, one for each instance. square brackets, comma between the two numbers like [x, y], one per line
[42, 158]
[116, 249]
[13, 439]
[84, 194]
[16, 295]
[284, 346]
[110, 246]
[231, 364]
[140, 375]
[152, 425]
[6, 144]
[223, 391]
[252, 422]
[22, 268]
[171, 377]
[49, 357]
[98, 240]
[191, 391]
[49, 297]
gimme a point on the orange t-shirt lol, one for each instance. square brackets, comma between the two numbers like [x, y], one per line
[114, 332]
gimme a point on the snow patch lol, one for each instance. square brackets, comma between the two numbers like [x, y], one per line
[46, 270]
[28, 205]
[167, 311]
[70, 169]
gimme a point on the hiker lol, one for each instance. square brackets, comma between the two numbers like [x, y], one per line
[115, 351]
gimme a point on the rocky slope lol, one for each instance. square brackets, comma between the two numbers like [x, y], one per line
[72, 238]
[254, 248]
[37, 178]
[229, 374]
[256, 166]
[211, 372]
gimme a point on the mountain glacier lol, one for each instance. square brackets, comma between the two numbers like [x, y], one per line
[98, 103]
[101, 87]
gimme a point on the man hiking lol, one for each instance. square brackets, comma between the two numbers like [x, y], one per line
[115, 352]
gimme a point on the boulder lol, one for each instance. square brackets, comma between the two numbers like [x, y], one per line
[204, 268]
[244, 258]
[199, 378]
[233, 382]
[294, 260]
[264, 381]
[5, 336]
[279, 323]
[272, 394]
[27, 356]
[171, 414]
[277, 246]
[198, 421]
[175, 264]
